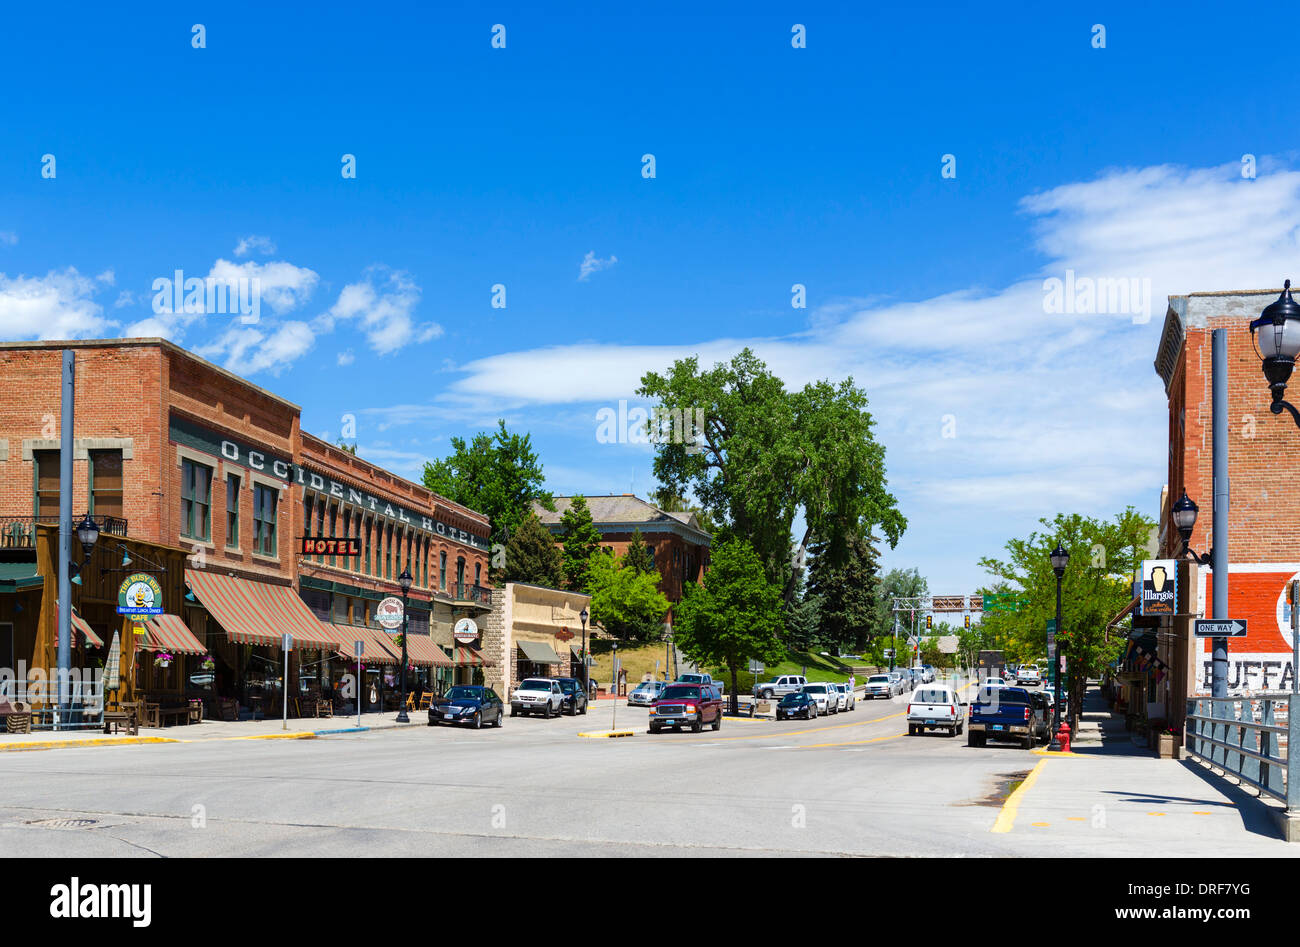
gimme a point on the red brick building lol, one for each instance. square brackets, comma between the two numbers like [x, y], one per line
[180, 452]
[1264, 525]
[678, 546]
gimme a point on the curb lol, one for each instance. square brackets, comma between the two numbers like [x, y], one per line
[292, 735]
[1041, 752]
[59, 744]
[608, 733]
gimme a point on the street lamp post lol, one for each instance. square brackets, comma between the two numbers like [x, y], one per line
[1277, 345]
[404, 580]
[586, 666]
[1060, 559]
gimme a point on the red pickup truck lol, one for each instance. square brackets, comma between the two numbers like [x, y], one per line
[682, 705]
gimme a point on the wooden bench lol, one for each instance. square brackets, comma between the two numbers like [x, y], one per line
[117, 719]
[180, 715]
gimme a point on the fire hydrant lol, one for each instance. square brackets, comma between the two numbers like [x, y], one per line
[1063, 737]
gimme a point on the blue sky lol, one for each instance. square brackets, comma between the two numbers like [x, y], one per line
[774, 166]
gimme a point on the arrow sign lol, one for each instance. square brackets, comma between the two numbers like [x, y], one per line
[1228, 628]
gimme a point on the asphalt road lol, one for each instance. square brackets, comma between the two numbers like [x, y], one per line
[850, 784]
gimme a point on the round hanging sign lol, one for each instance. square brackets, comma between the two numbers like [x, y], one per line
[389, 612]
[465, 631]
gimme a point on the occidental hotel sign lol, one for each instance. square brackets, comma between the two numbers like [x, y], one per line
[210, 442]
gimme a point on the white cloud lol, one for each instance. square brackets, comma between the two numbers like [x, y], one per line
[593, 264]
[58, 305]
[108, 278]
[347, 357]
[284, 287]
[249, 350]
[1048, 408]
[254, 243]
[124, 298]
[384, 312]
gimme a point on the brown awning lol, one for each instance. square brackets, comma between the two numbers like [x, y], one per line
[170, 633]
[258, 612]
[1122, 615]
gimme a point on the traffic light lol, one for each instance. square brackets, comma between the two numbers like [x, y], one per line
[968, 623]
[928, 620]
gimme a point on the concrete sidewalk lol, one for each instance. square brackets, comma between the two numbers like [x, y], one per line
[1113, 798]
[305, 728]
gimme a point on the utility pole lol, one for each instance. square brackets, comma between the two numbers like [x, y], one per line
[1219, 544]
[64, 629]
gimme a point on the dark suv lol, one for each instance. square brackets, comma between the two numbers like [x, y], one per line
[682, 705]
[575, 701]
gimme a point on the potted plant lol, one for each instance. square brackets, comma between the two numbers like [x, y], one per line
[399, 640]
[207, 664]
[1169, 740]
[163, 659]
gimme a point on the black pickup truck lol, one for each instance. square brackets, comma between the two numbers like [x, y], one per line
[1004, 713]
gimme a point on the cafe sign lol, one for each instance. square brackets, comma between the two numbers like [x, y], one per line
[1159, 590]
[140, 594]
[466, 630]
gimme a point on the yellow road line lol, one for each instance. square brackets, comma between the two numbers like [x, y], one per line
[1007, 817]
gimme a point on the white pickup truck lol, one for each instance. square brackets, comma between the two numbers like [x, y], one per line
[934, 707]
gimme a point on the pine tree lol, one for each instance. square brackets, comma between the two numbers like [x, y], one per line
[638, 555]
[531, 556]
[846, 594]
[581, 541]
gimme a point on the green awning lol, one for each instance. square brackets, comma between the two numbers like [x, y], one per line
[538, 652]
[19, 575]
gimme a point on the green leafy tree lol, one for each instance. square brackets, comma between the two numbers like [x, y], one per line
[496, 474]
[766, 455]
[638, 554]
[581, 541]
[846, 594]
[670, 502]
[531, 556]
[1104, 554]
[627, 603]
[736, 616]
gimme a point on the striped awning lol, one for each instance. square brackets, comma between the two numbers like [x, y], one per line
[259, 613]
[170, 633]
[465, 656]
[420, 650]
[79, 624]
[377, 647]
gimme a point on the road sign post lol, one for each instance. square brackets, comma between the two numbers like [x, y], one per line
[1225, 628]
[358, 647]
[287, 644]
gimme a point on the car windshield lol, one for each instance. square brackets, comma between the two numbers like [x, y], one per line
[678, 691]
[462, 693]
[1001, 695]
[815, 689]
[535, 685]
[794, 698]
[568, 686]
[878, 679]
[691, 679]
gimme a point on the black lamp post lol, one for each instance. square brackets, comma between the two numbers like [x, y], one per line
[586, 672]
[1184, 514]
[1060, 559]
[88, 534]
[1277, 344]
[404, 580]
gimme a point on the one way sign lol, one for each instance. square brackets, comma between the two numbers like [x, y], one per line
[1228, 628]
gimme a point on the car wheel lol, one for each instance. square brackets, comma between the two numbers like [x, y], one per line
[717, 722]
[584, 707]
[514, 712]
[767, 695]
[653, 728]
[499, 715]
[478, 721]
[433, 723]
[1028, 743]
[697, 725]
[911, 730]
[975, 739]
[547, 714]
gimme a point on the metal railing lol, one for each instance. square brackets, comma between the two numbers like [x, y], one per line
[19, 532]
[1249, 738]
[39, 696]
[465, 592]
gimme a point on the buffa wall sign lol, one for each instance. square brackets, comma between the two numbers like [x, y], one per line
[193, 435]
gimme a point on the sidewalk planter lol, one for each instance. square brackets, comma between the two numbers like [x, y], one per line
[1168, 745]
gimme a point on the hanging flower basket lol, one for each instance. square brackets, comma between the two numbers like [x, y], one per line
[399, 640]
[207, 664]
[163, 659]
